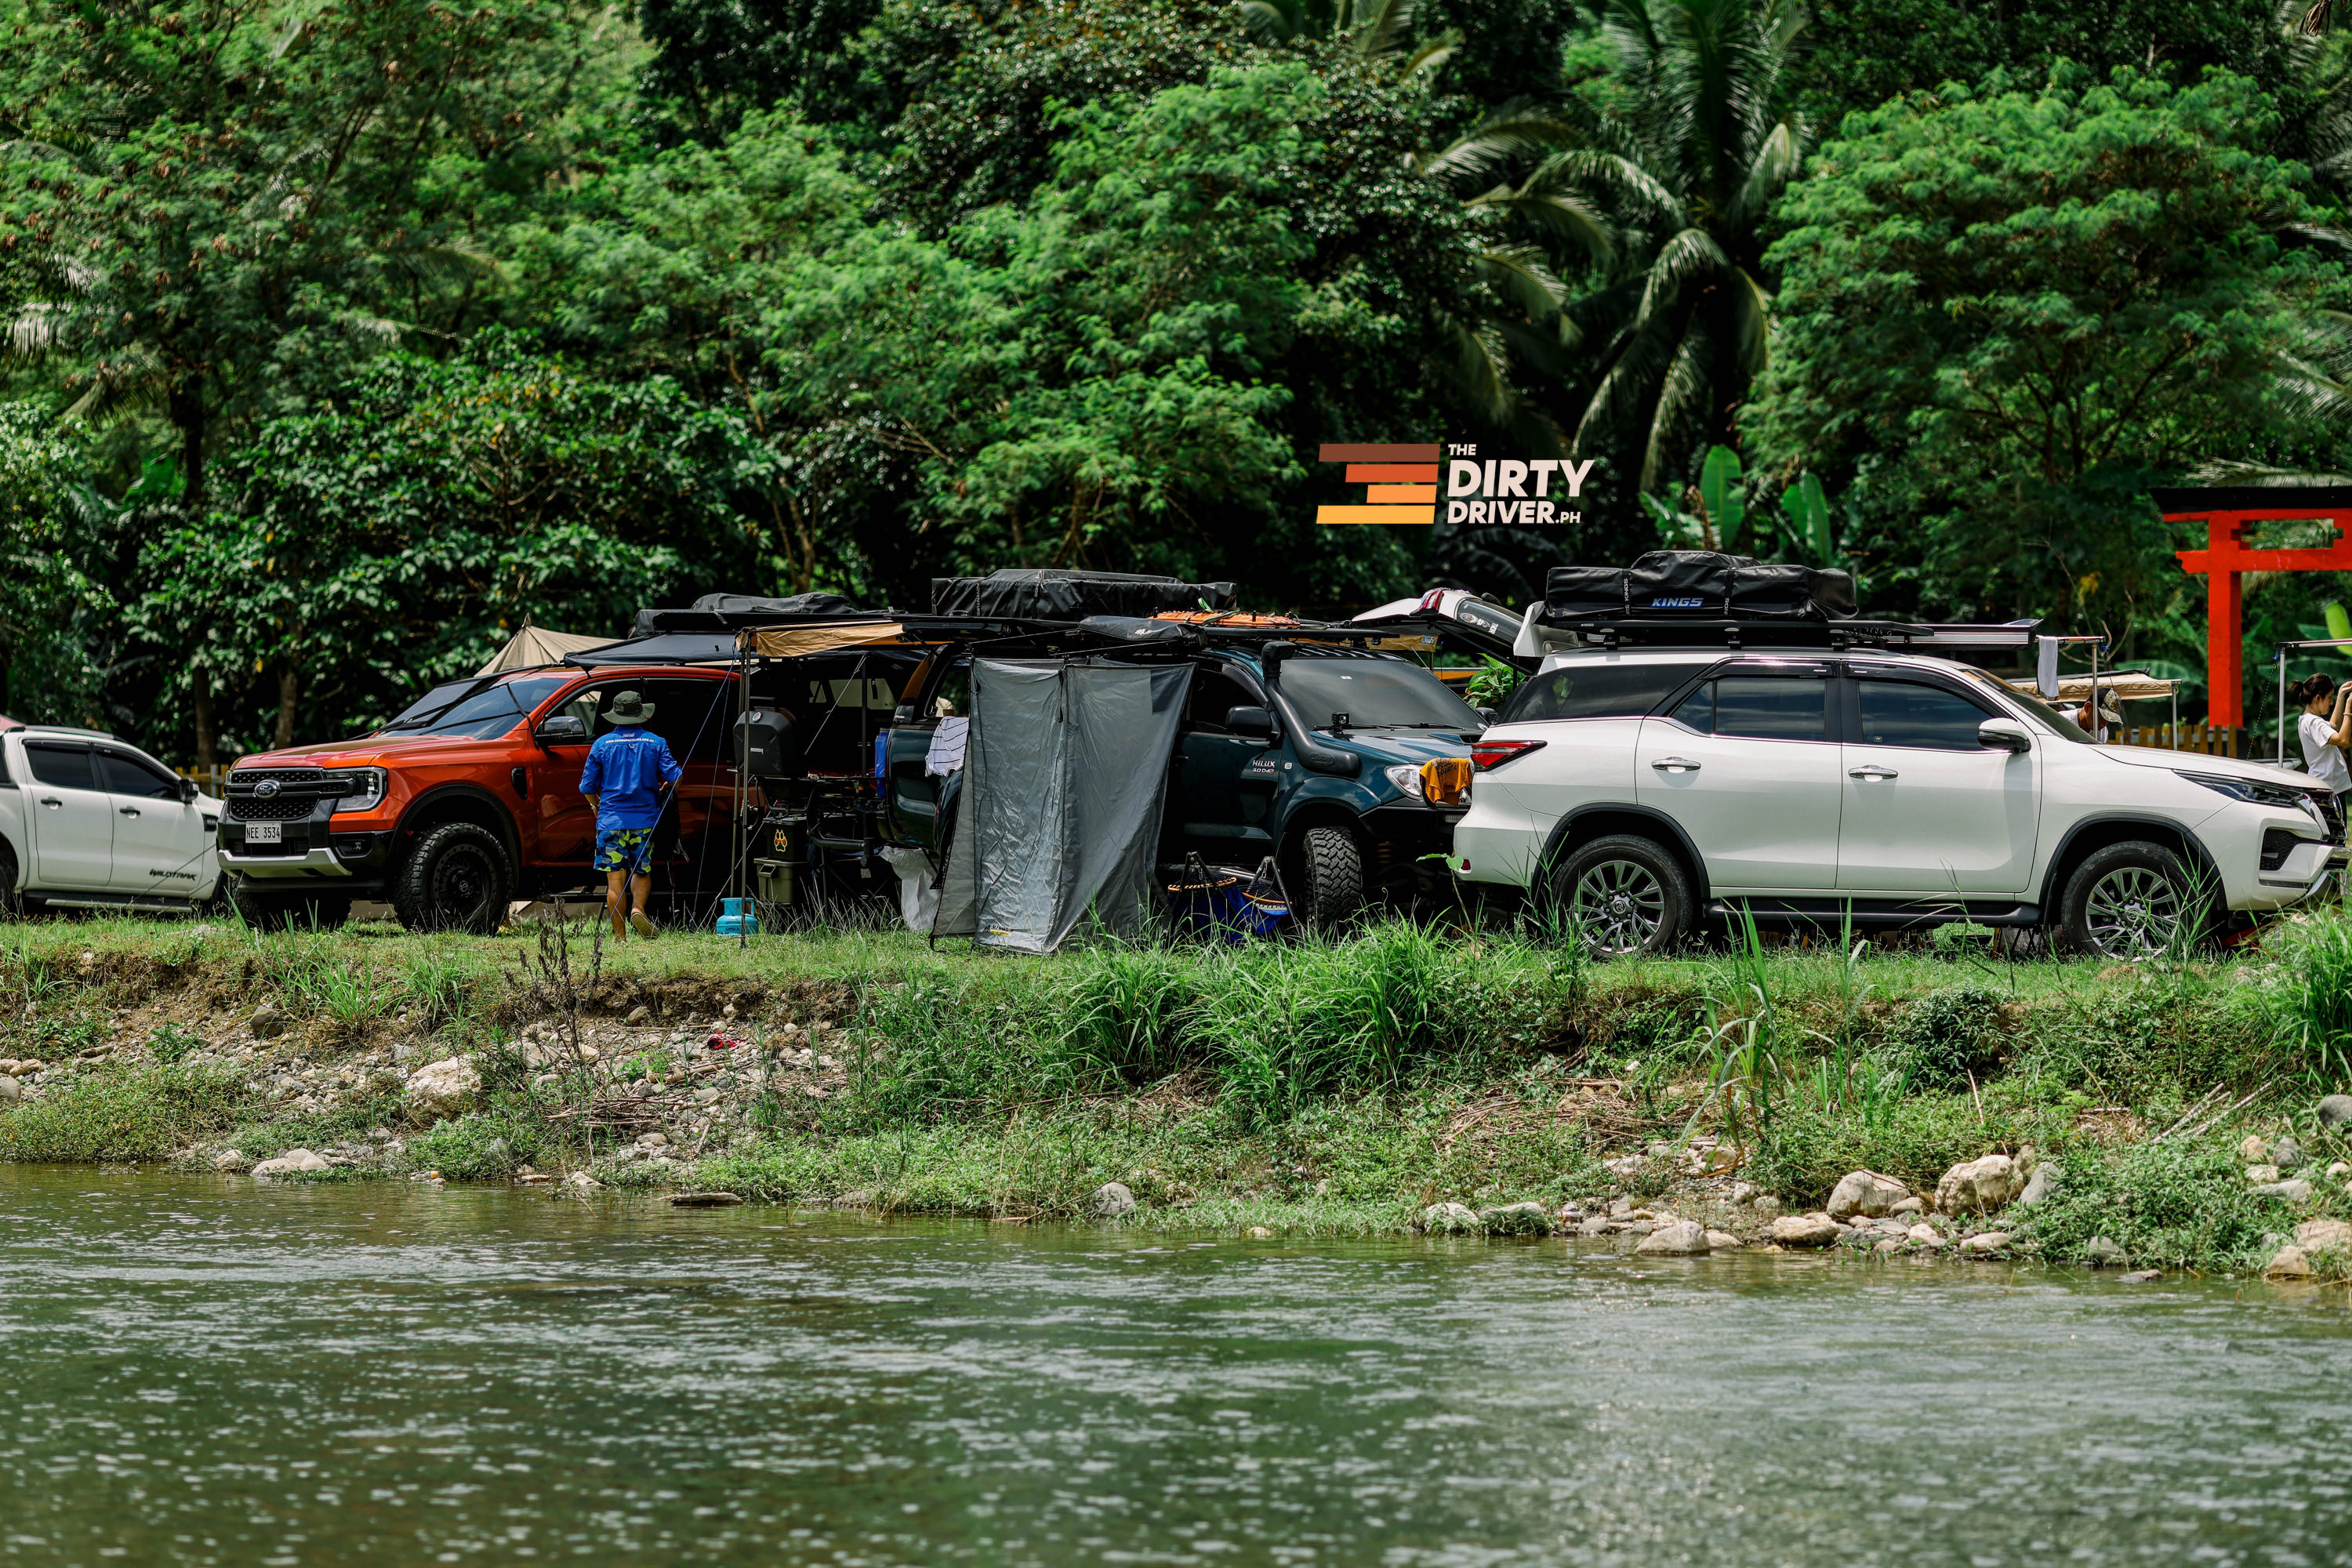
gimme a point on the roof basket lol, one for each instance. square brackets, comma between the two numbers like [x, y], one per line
[1705, 584]
[1048, 595]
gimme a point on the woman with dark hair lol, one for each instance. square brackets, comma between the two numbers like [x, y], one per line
[2327, 730]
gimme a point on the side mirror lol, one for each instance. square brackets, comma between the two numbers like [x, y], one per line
[2004, 736]
[1253, 722]
[561, 728]
[188, 791]
[1486, 715]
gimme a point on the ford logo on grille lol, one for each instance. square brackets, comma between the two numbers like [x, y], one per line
[265, 788]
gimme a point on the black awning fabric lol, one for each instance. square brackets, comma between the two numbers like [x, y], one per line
[1045, 593]
[723, 612]
[674, 647]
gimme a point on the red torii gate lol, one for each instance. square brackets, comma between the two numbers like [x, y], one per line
[2227, 512]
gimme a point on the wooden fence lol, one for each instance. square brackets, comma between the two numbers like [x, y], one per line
[211, 780]
[2204, 737]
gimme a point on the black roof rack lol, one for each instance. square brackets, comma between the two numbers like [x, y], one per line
[1834, 636]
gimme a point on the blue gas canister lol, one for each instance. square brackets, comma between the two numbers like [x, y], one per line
[737, 917]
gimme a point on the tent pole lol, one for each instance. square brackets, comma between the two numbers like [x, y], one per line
[735, 878]
[2278, 657]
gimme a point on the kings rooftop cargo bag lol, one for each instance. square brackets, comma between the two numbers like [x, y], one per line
[1699, 584]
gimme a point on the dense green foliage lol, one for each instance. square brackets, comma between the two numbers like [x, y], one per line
[850, 293]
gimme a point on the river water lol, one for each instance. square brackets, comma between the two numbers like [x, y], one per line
[208, 1371]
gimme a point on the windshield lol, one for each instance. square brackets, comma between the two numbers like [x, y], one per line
[1372, 694]
[486, 714]
[431, 705]
[2041, 713]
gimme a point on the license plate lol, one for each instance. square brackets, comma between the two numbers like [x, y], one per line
[265, 833]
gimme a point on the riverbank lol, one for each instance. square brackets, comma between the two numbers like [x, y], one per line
[1398, 1080]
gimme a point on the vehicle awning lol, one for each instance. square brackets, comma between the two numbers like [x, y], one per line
[2122, 685]
[535, 648]
[676, 647]
[794, 642]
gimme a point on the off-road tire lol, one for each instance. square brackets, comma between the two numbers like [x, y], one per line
[1331, 877]
[12, 901]
[458, 877]
[281, 911]
[2134, 900]
[1622, 896]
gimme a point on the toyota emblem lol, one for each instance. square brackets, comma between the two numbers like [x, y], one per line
[265, 788]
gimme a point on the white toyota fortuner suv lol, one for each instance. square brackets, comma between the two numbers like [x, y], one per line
[91, 822]
[1643, 789]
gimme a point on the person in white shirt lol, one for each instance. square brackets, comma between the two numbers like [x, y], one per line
[2325, 728]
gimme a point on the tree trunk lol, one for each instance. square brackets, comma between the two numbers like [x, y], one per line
[200, 700]
[289, 688]
[188, 416]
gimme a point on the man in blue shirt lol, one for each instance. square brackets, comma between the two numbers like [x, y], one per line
[622, 779]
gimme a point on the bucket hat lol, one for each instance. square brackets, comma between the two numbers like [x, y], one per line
[628, 709]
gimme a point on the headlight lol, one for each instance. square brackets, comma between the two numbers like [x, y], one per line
[1406, 776]
[2250, 790]
[362, 788]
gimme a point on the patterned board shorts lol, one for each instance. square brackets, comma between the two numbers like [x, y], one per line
[623, 849]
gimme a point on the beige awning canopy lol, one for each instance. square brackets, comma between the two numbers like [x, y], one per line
[535, 647]
[2120, 685]
[794, 642]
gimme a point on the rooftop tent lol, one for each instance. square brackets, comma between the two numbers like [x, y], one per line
[1045, 593]
[1066, 766]
[717, 612]
[534, 648]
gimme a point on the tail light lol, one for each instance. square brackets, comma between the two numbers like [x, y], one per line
[1445, 781]
[1488, 755]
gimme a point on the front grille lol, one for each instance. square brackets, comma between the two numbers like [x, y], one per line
[2331, 812]
[277, 808]
[301, 787]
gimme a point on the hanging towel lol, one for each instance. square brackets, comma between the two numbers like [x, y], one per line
[946, 756]
[2045, 675]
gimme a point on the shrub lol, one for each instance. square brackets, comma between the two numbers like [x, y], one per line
[2166, 1205]
[144, 1112]
[1947, 1038]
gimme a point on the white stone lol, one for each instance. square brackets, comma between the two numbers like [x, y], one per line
[1984, 1245]
[2288, 1263]
[2037, 1187]
[1449, 1218]
[1112, 1200]
[231, 1161]
[11, 1091]
[2296, 1192]
[444, 1087]
[2262, 1176]
[1722, 1241]
[1910, 1206]
[582, 1182]
[2324, 1235]
[1925, 1235]
[1982, 1186]
[1865, 1192]
[1744, 1192]
[1683, 1238]
[1805, 1230]
[291, 1163]
[2254, 1151]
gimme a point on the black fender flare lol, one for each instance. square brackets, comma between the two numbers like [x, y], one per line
[1556, 843]
[2054, 886]
[423, 805]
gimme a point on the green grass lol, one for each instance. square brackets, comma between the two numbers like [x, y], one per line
[1328, 1085]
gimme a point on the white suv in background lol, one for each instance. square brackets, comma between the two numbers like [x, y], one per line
[1642, 789]
[91, 822]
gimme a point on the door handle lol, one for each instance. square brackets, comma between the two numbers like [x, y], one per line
[1675, 765]
[50, 800]
[130, 811]
[1871, 771]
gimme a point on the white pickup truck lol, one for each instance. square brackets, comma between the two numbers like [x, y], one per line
[87, 821]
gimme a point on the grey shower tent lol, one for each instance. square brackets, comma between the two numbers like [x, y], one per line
[1066, 768]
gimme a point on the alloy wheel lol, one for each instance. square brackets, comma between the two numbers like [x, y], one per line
[461, 884]
[1619, 905]
[2133, 912]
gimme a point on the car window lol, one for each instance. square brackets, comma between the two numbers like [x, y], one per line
[691, 715]
[433, 704]
[529, 690]
[121, 773]
[65, 766]
[2048, 717]
[1772, 707]
[1760, 708]
[1906, 713]
[1214, 693]
[1373, 693]
[1594, 691]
